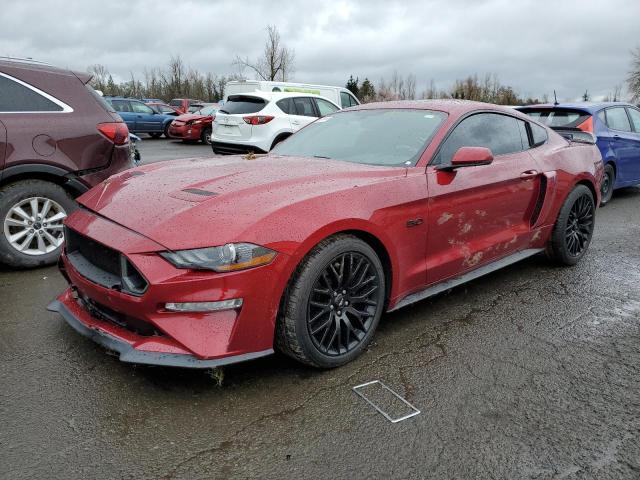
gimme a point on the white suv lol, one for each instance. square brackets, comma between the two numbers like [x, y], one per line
[257, 121]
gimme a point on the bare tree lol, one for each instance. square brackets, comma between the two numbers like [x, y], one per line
[633, 80]
[100, 76]
[277, 61]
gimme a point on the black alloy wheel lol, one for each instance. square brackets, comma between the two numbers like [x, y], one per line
[343, 304]
[579, 226]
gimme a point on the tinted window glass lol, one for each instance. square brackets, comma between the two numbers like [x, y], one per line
[557, 117]
[635, 118]
[617, 119]
[18, 98]
[499, 133]
[285, 105]
[375, 137]
[243, 104]
[325, 108]
[539, 134]
[141, 108]
[304, 106]
[345, 99]
[120, 105]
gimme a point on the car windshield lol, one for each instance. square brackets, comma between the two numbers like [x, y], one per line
[390, 137]
[207, 110]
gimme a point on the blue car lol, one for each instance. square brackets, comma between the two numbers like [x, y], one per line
[616, 127]
[141, 118]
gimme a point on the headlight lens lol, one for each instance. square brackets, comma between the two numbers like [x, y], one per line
[227, 258]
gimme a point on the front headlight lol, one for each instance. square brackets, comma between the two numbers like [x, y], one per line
[228, 258]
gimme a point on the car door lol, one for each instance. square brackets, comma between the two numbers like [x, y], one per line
[622, 141]
[3, 146]
[146, 119]
[304, 113]
[634, 116]
[124, 110]
[481, 213]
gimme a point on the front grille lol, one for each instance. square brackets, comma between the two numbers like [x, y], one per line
[103, 265]
[106, 314]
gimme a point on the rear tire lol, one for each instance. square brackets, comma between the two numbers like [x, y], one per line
[205, 136]
[333, 303]
[573, 230]
[44, 205]
[608, 180]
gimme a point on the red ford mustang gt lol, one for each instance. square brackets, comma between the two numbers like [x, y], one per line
[206, 261]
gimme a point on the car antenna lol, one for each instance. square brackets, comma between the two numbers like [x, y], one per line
[555, 99]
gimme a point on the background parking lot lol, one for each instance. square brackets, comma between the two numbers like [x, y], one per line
[509, 386]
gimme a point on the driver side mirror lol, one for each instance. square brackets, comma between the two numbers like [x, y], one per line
[469, 157]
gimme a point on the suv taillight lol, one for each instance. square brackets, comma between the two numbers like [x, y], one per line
[117, 132]
[258, 119]
[587, 125]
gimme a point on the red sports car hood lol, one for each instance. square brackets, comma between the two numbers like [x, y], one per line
[201, 202]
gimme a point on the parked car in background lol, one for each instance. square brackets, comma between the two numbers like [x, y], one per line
[256, 122]
[162, 107]
[364, 211]
[182, 104]
[194, 126]
[616, 127]
[58, 138]
[141, 118]
[151, 100]
[338, 95]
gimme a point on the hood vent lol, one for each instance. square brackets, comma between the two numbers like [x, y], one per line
[199, 191]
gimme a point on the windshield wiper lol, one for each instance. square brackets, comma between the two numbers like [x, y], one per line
[320, 156]
[223, 111]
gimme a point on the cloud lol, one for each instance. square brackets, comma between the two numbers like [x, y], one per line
[535, 46]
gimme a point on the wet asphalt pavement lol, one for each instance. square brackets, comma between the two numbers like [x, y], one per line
[530, 372]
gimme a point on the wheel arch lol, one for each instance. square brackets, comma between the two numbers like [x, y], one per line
[379, 246]
[589, 184]
[49, 173]
[280, 137]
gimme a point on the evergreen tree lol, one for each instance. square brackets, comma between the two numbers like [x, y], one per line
[367, 91]
[352, 86]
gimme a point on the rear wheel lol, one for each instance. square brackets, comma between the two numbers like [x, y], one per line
[32, 212]
[333, 304]
[608, 180]
[573, 230]
[205, 136]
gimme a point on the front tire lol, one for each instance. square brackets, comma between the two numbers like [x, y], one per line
[333, 303]
[608, 180]
[573, 230]
[32, 212]
[166, 130]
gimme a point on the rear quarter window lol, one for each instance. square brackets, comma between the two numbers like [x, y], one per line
[286, 106]
[238, 104]
[15, 97]
[539, 135]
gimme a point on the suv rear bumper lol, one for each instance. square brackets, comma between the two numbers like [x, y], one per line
[234, 148]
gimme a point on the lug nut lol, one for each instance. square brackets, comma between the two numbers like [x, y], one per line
[344, 291]
[331, 307]
[31, 230]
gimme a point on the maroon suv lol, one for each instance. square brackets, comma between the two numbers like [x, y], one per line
[58, 138]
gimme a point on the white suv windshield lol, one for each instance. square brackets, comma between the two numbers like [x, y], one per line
[377, 137]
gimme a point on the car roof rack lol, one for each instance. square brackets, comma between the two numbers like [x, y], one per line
[24, 60]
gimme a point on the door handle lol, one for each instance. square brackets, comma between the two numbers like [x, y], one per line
[529, 174]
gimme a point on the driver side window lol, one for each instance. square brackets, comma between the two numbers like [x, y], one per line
[499, 133]
[141, 108]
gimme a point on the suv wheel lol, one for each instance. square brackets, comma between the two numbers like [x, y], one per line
[32, 212]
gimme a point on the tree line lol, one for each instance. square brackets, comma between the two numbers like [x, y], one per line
[277, 62]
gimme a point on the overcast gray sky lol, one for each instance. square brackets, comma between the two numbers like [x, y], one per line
[533, 45]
